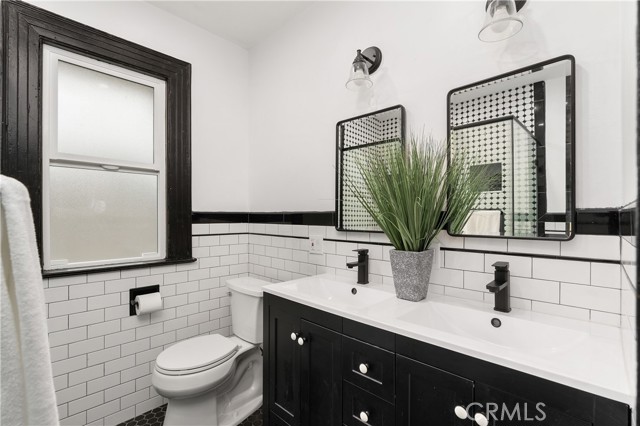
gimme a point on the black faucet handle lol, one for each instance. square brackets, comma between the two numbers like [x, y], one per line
[495, 287]
[362, 251]
[501, 266]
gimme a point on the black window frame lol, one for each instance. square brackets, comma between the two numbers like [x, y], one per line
[25, 29]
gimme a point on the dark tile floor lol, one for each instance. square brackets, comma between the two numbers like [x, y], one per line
[155, 417]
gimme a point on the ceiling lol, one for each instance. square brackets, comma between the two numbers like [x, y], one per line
[242, 22]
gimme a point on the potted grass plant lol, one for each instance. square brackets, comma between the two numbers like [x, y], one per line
[406, 193]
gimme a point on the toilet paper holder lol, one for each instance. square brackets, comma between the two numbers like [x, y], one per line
[133, 292]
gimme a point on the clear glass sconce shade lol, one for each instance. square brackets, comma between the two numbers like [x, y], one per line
[359, 74]
[501, 21]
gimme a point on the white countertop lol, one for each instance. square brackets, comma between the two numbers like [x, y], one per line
[594, 361]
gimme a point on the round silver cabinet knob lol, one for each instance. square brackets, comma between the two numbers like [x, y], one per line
[481, 419]
[364, 368]
[460, 411]
[301, 340]
[294, 336]
[364, 416]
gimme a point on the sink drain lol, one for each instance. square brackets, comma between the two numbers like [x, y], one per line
[496, 322]
[354, 290]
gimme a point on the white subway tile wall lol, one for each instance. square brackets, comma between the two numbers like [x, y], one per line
[102, 357]
[585, 289]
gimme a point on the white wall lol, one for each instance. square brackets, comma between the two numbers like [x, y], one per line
[219, 95]
[297, 85]
[296, 88]
[628, 18]
[555, 147]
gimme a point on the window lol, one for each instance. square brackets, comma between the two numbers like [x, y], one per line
[104, 172]
[103, 163]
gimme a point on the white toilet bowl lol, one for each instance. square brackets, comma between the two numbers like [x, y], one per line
[213, 380]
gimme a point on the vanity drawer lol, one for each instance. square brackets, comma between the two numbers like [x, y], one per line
[356, 401]
[369, 367]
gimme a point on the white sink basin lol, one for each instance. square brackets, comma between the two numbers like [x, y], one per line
[513, 333]
[574, 353]
[516, 333]
[337, 294]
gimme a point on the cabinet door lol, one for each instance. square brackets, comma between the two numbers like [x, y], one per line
[427, 396]
[357, 401]
[284, 366]
[504, 409]
[320, 376]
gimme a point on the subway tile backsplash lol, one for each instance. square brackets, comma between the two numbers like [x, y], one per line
[103, 358]
[585, 289]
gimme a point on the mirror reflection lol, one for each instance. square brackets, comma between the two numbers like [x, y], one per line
[357, 139]
[520, 128]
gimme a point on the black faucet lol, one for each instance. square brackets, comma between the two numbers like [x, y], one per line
[363, 266]
[500, 286]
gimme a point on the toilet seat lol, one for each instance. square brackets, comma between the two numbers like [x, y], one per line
[196, 355]
[189, 383]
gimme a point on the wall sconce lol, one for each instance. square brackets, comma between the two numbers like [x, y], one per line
[502, 20]
[364, 64]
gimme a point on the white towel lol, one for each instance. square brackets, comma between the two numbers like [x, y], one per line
[27, 392]
[483, 222]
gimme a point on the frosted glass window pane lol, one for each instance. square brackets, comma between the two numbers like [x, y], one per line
[102, 215]
[104, 116]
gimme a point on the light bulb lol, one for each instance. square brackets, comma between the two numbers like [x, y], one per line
[501, 19]
[358, 74]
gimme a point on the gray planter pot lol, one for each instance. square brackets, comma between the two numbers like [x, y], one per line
[411, 271]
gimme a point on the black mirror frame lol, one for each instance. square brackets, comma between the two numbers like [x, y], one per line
[25, 28]
[571, 149]
[339, 178]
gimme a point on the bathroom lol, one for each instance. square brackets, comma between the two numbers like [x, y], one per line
[251, 169]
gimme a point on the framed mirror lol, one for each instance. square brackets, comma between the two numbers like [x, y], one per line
[357, 139]
[520, 127]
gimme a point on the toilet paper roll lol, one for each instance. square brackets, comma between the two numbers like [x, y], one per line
[146, 303]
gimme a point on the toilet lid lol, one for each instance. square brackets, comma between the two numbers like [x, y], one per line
[198, 353]
[247, 285]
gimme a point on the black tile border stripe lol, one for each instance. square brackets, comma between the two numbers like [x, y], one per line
[536, 255]
[219, 217]
[597, 221]
[282, 218]
[628, 221]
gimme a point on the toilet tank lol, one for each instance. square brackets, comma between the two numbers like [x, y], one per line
[246, 308]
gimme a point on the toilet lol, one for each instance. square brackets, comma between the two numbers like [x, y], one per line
[213, 380]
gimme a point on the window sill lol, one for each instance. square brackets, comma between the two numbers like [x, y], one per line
[108, 268]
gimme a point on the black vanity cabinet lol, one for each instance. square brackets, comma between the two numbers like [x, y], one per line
[324, 370]
[302, 365]
[509, 392]
[428, 396]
